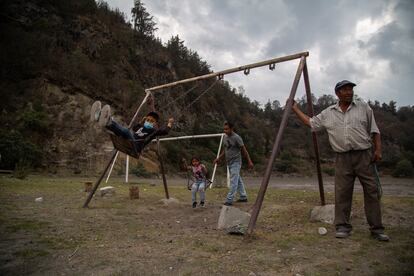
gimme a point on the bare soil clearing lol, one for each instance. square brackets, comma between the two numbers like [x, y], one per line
[118, 236]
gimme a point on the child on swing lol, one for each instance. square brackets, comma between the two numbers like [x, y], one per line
[141, 134]
[200, 181]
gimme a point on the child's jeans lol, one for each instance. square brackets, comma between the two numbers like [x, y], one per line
[198, 186]
[119, 130]
[125, 133]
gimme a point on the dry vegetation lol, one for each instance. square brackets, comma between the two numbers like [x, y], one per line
[118, 236]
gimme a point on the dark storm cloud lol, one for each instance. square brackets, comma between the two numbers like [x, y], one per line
[369, 42]
[395, 41]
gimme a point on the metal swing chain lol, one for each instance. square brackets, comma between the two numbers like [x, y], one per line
[182, 110]
[199, 96]
[194, 101]
[179, 97]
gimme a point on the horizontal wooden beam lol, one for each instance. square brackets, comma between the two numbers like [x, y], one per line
[220, 74]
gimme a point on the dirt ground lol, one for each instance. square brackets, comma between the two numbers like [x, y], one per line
[390, 185]
[119, 236]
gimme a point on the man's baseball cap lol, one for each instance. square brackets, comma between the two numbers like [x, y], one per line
[341, 84]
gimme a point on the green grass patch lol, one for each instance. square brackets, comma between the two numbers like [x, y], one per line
[31, 253]
[15, 225]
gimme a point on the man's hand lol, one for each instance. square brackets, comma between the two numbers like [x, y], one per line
[376, 140]
[302, 116]
[377, 156]
[216, 161]
[250, 164]
[294, 104]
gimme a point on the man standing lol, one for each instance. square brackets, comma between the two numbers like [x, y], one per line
[233, 146]
[352, 131]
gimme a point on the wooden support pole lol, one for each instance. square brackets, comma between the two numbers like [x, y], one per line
[112, 167]
[127, 169]
[215, 165]
[314, 137]
[95, 187]
[275, 151]
[147, 95]
[164, 179]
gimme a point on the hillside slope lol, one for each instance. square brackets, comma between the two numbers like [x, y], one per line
[59, 56]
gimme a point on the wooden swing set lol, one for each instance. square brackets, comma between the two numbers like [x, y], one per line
[200, 136]
[129, 148]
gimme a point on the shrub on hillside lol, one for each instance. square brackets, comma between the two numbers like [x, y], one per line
[140, 171]
[22, 169]
[15, 147]
[35, 120]
[287, 163]
[404, 168]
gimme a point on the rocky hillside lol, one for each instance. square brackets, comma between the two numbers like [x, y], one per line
[59, 56]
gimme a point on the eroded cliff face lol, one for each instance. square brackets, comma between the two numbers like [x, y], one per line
[76, 144]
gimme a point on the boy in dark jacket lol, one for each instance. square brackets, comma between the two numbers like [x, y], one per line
[141, 134]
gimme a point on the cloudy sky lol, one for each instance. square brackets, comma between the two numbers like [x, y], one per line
[368, 42]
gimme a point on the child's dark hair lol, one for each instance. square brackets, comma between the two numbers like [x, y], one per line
[195, 158]
[154, 115]
[229, 124]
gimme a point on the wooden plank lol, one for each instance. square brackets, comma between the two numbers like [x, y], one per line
[164, 178]
[314, 137]
[275, 151]
[124, 145]
[232, 70]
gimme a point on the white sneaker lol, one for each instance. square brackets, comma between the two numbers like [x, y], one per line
[105, 116]
[95, 111]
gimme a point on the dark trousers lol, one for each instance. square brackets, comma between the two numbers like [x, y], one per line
[350, 165]
[125, 133]
[119, 130]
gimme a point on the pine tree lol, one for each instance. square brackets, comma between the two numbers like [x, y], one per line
[143, 22]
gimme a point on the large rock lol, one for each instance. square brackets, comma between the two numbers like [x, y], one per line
[233, 220]
[324, 214]
[107, 191]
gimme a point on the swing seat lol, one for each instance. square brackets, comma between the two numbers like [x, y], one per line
[191, 180]
[124, 145]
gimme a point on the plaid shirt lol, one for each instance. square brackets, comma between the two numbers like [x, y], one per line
[349, 130]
